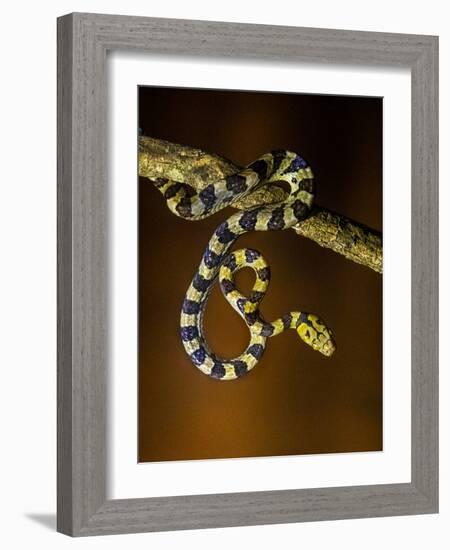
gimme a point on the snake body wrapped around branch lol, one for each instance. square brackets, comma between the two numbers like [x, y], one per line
[271, 169]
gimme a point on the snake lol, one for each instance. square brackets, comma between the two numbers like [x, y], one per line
[279, 167]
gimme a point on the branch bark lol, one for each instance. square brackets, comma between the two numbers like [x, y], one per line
[354, 241]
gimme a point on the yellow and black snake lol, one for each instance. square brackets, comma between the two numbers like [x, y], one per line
[271, 168]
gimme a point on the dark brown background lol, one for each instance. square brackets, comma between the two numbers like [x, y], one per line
[295, 401]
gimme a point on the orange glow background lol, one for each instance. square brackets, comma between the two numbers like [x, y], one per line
[295, 401]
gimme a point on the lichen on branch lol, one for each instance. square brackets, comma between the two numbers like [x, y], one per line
[354, 241]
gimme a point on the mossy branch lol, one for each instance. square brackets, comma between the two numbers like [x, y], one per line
[356, 242]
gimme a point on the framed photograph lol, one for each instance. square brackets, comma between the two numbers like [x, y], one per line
[247, 274]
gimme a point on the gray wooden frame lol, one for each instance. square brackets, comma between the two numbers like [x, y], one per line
[83, 40]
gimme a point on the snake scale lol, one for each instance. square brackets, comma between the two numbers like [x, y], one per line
[218, 262]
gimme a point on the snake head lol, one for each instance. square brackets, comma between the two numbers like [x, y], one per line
[316, 334]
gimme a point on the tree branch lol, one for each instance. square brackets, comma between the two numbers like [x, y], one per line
[162, 159]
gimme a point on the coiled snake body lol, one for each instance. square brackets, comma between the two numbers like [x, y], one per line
[277, 166]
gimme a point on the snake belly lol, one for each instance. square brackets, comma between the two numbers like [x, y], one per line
[218, 263]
